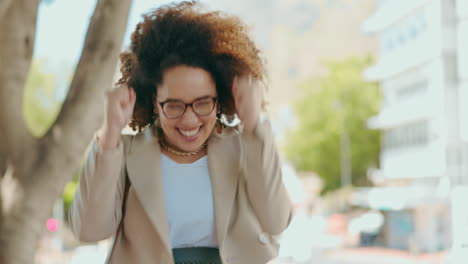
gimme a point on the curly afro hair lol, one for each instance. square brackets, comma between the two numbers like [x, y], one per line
[186, 34]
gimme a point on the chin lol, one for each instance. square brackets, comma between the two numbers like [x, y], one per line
[191, 140]
[191, 148]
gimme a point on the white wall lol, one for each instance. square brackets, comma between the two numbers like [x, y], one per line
[417, 162]
[462, 43]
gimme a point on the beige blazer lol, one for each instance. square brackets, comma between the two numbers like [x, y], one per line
[251, 205]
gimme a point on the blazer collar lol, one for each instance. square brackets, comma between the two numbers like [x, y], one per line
[144, 171]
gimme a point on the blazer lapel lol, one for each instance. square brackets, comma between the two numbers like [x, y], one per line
[144, 171]
[223, 162]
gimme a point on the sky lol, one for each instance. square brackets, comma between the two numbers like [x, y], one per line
[60, 44]
[62, 25]
[61, 30]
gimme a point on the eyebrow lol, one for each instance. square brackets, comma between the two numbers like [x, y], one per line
[178, 100]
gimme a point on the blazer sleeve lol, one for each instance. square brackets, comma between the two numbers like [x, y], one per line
[265, 188]
[96, 209]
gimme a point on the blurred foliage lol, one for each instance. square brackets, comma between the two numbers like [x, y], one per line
[340, 99]
[40, 106]
[40, 109]
[68, 195]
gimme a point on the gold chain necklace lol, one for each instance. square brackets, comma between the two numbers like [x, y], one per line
[172, 150]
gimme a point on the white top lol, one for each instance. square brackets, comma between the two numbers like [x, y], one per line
[189, 203]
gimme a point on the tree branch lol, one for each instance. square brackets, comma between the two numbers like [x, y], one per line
[18, 28]
[82, 110]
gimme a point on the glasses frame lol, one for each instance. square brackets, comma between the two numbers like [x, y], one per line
[213, 98]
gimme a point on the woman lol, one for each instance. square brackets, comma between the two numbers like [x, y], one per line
[186, 188]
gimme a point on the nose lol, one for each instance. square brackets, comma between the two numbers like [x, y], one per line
[189, 117]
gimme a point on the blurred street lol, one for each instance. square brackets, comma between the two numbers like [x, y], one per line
[93, 254]
[308, 240]
[376, 255]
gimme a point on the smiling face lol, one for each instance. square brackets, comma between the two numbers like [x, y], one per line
[186, 84]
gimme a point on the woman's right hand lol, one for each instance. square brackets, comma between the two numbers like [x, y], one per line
[118, 112]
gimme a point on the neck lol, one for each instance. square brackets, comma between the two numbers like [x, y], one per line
[179, 155]
[185, 159]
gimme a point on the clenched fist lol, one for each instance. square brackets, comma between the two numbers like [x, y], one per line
[118, 112]
[248, 97]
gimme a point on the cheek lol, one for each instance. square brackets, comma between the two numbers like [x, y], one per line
[167, 123]
[209, 120]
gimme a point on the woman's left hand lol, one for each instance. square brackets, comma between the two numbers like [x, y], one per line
[248, 97]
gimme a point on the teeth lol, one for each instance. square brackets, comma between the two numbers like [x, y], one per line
[189, 133]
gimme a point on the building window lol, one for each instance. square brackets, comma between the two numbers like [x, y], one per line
[410, 135]
[413, 31]
[412, 90]
[402, 33]
[387, 42]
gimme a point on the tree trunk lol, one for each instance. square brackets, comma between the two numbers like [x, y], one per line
[21, 228]
[33, 172]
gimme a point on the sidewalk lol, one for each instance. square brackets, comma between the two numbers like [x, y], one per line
[382, 256]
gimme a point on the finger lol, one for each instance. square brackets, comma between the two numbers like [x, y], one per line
[115, 88]
[244, 81]
[240, 94]
[132, 102]
[122, 117]
[235, 91]
[128, 113]
[123, 96]
[234, 85]
[132, 95]
[244, 85]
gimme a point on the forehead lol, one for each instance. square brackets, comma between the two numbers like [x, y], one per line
[186, 83]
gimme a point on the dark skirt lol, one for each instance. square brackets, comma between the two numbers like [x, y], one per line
[196, 255]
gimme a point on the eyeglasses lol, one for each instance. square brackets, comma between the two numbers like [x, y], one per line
[173, 109]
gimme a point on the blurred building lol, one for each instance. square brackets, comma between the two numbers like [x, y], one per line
[307, 33]
[424, 92]
[296, 37]
[462, 41]
[459, 197]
